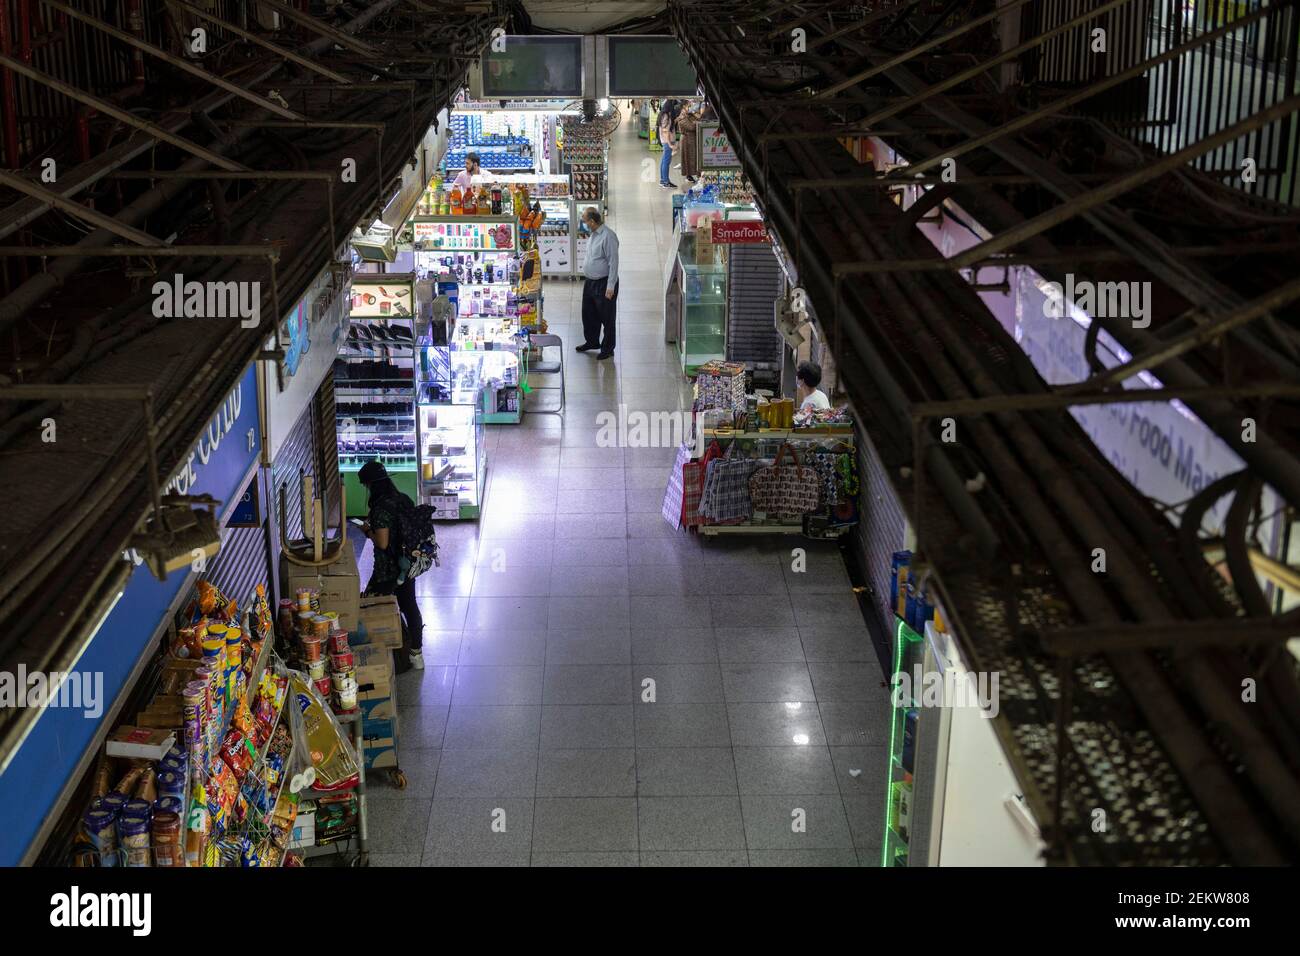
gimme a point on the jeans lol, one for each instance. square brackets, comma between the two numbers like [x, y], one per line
[412, 620]
[665, 165]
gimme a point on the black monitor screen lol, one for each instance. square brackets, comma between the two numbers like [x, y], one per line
[534, 66]
[649, 66]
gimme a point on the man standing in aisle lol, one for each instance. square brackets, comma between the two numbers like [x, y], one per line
[600, 291]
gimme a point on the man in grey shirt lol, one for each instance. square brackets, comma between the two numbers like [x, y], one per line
[600, 290]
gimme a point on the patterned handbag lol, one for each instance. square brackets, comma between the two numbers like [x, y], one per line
[693, 474]
[674, 495]
[785, 489]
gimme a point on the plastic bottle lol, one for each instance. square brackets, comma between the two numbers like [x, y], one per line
[456, 207]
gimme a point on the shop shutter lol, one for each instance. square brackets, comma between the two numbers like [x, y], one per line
[295, 456]
[882, 529]
[242, 564]
[324, 421]
[754, 283]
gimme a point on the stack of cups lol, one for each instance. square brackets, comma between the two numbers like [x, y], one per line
[343, 670]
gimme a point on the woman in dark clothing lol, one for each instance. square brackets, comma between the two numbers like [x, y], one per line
[389, 509]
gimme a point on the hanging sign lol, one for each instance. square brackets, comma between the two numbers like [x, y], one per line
[734, 231]
[715, 148]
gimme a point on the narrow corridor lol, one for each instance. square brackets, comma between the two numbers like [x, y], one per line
[547, 618]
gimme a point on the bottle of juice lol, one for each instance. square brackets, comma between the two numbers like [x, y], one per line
[470, 202]
[456, 209]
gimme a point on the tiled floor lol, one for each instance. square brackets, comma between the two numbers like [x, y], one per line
[529, 739]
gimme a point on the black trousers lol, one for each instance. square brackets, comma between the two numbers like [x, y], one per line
[412, 620]
[598, 314]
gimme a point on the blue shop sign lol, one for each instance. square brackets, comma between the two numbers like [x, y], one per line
[217, 465]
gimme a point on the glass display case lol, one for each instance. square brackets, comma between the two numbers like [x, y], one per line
[374, 385]
[703, 279]
[452, 452]
[473, 262]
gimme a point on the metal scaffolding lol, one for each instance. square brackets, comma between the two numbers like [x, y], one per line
[1120, 690]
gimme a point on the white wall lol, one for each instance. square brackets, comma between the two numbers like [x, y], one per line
[977, 828]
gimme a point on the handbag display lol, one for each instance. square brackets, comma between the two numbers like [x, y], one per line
[783, 489]
[674, 502]
[693, 475]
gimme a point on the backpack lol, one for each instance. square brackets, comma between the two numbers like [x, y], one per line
[419, 541]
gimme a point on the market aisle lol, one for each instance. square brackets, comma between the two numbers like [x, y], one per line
[545, 619]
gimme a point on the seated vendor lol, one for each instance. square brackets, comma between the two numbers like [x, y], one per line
[808, 396]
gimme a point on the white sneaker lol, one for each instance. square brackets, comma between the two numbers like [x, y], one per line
[417, 660]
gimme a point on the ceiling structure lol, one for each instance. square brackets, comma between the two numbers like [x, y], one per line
[1122, 705]
[222, 164]
[586, 16]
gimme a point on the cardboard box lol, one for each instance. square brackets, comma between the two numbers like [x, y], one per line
[374, 668]
[379, 729]
[381, 753]
[378, 622]
[377, 707]
[146, 743]
[339, 585]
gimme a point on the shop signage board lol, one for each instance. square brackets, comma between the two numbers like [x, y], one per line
[247, 513]
[715, 148]
[312, 334]
[377, 299]
[219, 465]
[734, 231]
[1162, 448]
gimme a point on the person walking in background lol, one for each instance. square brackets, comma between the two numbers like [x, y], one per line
[389, 510]
[688, 123]
[600, 290]
[669, 139]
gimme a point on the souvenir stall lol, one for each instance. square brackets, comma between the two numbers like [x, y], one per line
[755, 466]
[374, 384]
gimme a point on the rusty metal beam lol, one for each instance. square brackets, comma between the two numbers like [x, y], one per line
[108, 109]
[1067, 258]
[176, 61]
[253, 38]
[1122, 184]
[84, 213]
[321, 28]
[965, 28]
[1171, 635]
[1057, 105]
[1062, 398]
[1194, 338]
[237, 252]
[984, 66]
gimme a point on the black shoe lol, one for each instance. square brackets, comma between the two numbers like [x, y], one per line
[668, 185]
[401, 661]
[587, 348]
[605, 355]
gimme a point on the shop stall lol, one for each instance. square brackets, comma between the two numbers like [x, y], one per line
[755, 466]
[477, 263]
[585, 153]
[374, 385]
[558, 234]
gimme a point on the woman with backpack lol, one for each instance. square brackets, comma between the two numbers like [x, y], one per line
[389, 511]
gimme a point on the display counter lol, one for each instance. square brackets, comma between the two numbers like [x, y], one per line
[374, 386]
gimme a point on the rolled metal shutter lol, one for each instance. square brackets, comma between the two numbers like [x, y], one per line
[754, 283]
[296, 456]
[882, 528]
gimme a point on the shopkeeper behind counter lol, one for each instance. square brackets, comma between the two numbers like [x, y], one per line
[807, 377]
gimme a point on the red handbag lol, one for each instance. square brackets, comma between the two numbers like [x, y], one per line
[693, 473]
